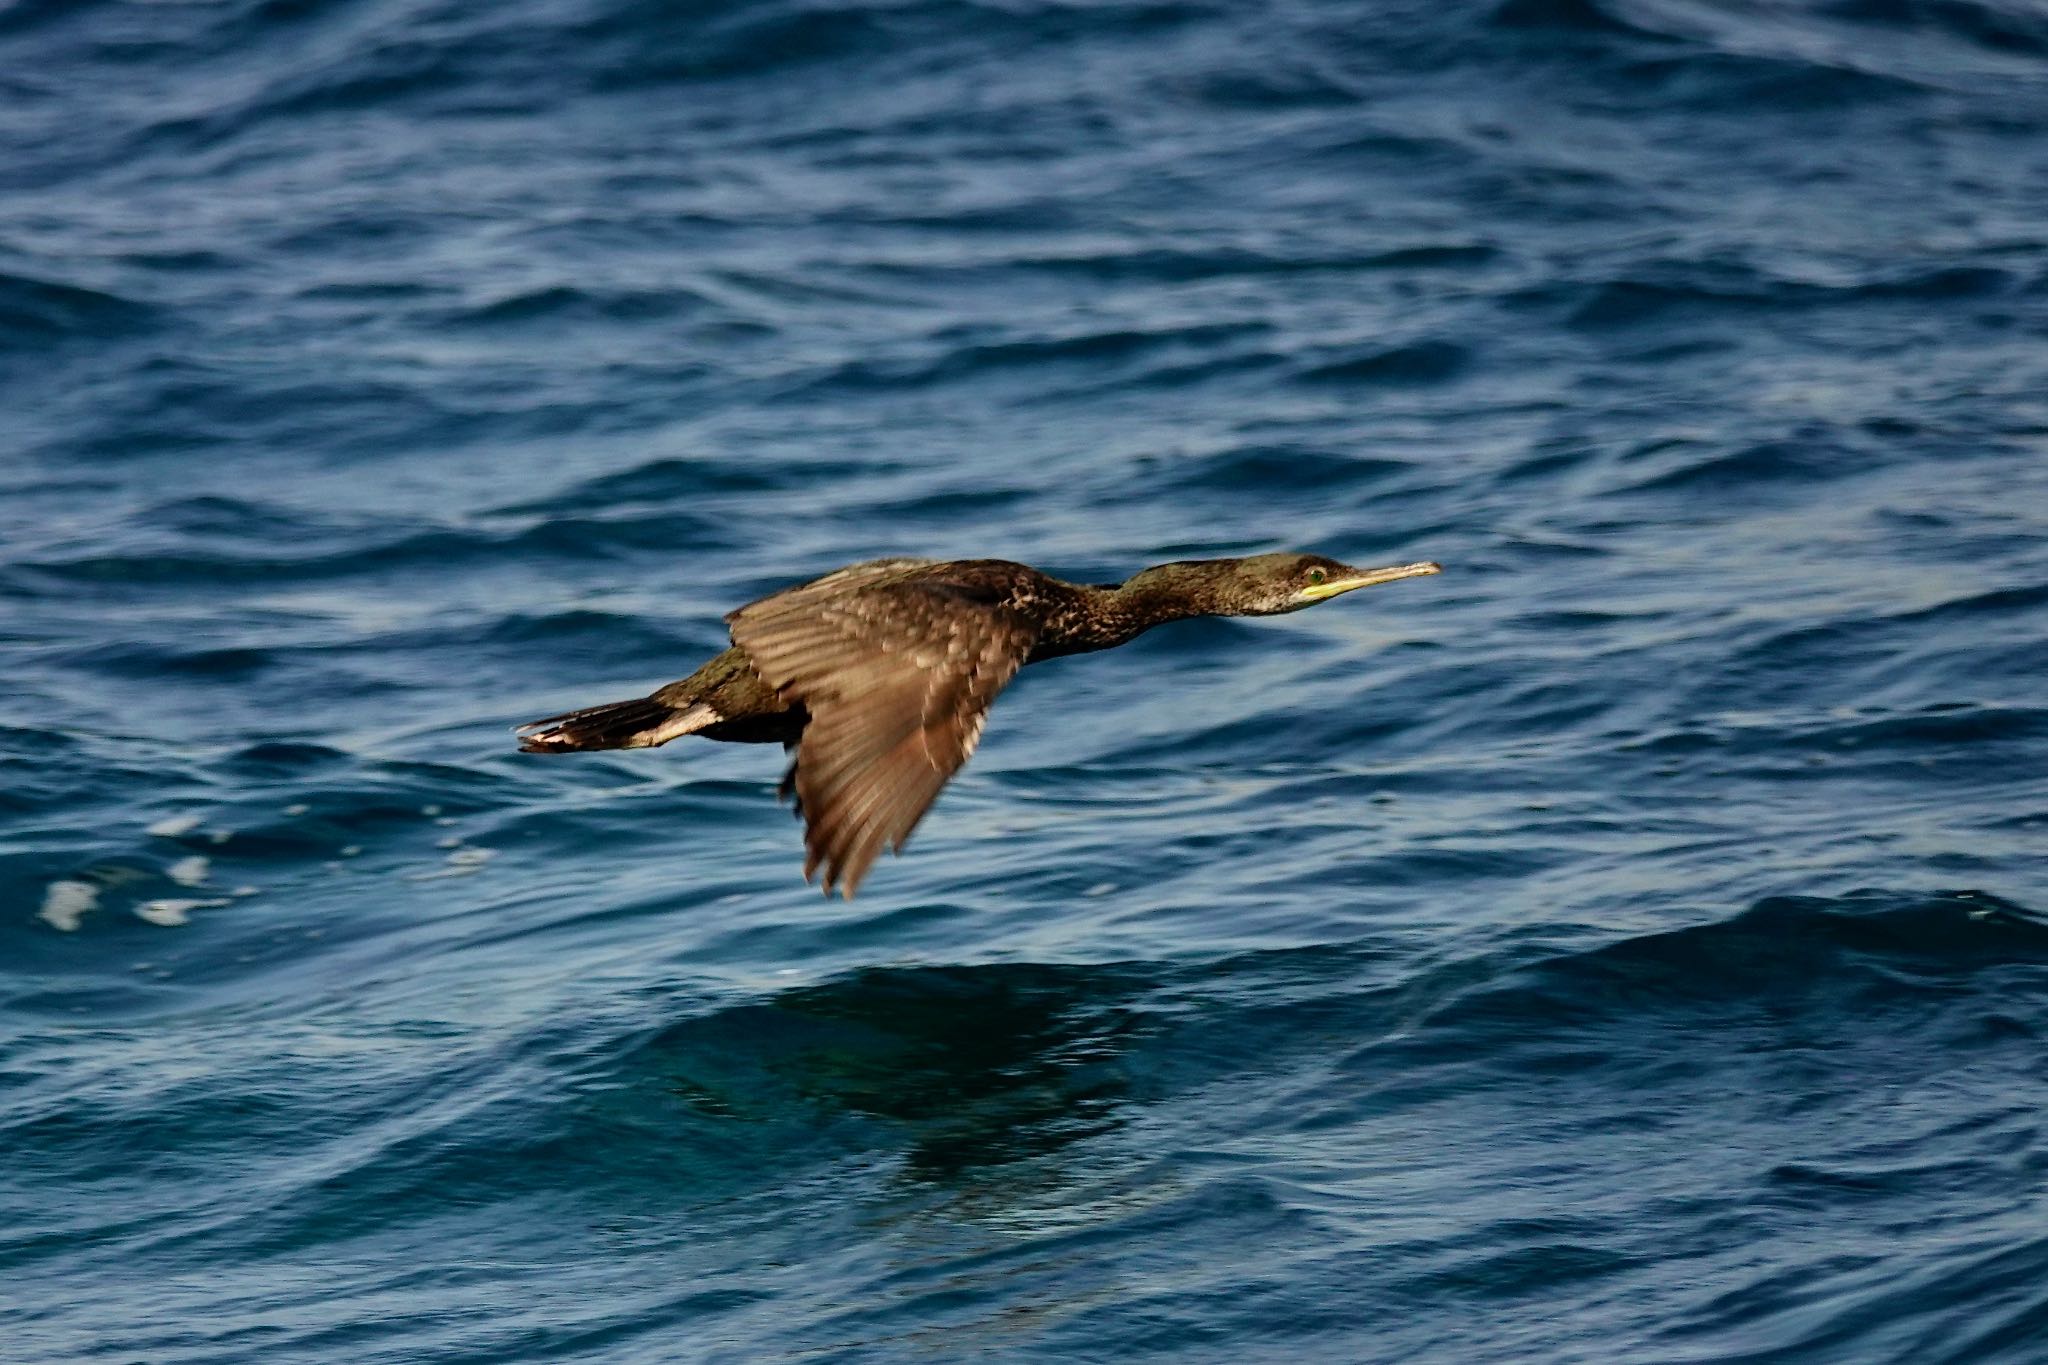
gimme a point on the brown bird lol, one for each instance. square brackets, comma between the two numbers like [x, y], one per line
[880, 675]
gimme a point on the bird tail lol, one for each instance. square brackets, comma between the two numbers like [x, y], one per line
[640, 723]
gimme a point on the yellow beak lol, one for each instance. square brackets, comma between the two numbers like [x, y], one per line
[1352, 579]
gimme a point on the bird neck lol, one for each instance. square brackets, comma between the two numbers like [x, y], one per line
[1095, 618]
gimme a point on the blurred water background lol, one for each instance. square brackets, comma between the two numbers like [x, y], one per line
[1627, 946]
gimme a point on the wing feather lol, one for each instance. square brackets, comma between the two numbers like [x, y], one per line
[897, 674]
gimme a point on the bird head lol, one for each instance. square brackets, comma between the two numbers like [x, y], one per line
[1266, 585]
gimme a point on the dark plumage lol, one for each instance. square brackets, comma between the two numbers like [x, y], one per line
[881, 674]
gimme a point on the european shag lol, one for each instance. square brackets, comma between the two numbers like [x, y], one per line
[880, 675]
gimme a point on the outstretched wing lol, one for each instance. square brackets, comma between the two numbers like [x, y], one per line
[897, 672]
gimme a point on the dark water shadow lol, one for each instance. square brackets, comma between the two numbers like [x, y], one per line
[966, 1066]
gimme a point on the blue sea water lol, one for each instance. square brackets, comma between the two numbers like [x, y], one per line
[1631, 945]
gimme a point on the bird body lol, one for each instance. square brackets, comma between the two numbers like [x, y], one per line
[880, 675]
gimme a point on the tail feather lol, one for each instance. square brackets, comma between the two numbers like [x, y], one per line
[640, 723]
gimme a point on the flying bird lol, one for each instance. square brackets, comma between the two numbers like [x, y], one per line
[879, 675]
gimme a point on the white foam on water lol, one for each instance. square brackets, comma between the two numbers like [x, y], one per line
[189, 871]
[65, 903]
[171, 826]
[461, 863]
[172, 913]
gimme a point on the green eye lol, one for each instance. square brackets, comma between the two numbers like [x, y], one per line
[1315, 575]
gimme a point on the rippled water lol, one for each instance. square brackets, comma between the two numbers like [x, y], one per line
[1628, 945]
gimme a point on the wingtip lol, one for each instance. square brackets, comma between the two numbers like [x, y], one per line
[833, 879]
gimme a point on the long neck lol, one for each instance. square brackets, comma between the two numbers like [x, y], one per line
[1091, 618]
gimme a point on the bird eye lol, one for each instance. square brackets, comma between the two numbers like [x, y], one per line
[1315, 575]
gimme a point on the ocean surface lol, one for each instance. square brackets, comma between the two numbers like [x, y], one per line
[1631, 945]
